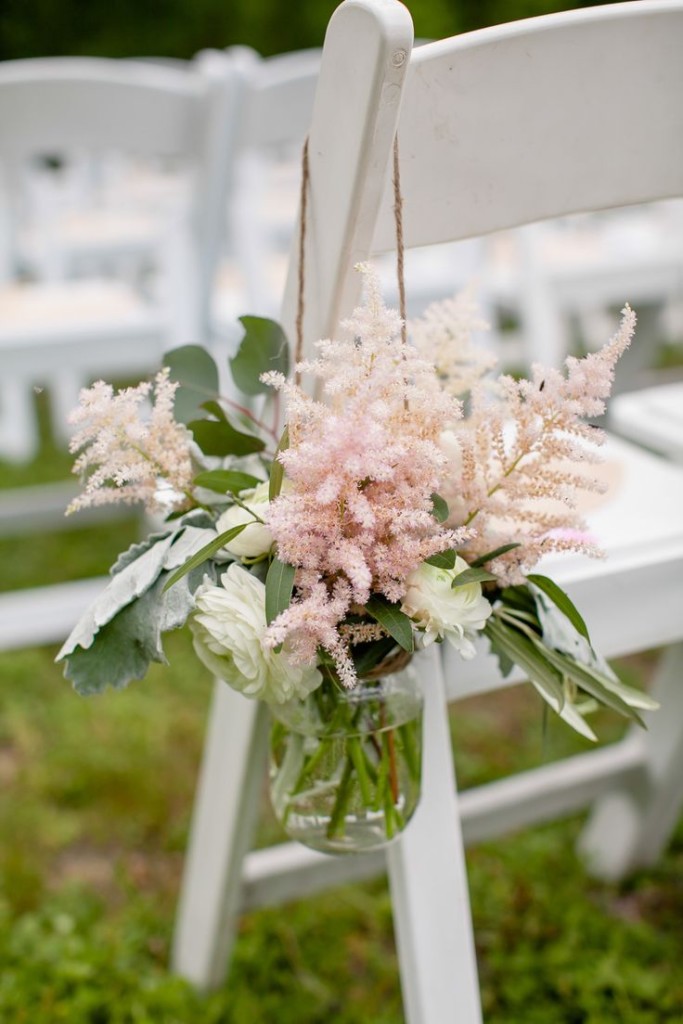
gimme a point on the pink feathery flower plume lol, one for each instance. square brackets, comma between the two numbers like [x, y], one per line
[125, 456]
[515, 461]
[362, 465]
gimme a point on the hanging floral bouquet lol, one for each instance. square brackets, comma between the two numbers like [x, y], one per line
[408, 500]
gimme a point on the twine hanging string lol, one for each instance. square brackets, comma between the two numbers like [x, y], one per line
[400, 251]
[303, 203]
[400, 248]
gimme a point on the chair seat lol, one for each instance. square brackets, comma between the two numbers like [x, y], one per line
[42, 326]
[89, 234]
[653, 416]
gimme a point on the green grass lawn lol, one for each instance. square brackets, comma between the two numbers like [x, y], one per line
[95, 798]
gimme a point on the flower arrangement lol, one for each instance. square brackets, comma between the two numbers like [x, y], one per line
[407, 501]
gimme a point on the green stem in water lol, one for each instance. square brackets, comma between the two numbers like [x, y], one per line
[410, 750]
[359, 760]
[336, 825]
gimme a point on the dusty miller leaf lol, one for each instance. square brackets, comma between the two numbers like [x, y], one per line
[125, 647]
[127, 585]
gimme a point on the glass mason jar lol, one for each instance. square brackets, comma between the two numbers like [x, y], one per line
[346, 764]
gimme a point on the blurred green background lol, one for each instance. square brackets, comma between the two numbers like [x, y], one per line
[179, 28]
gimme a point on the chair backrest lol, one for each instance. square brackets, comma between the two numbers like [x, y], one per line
[279, 105]
[97, 106]
[501, 127]
[273, 124]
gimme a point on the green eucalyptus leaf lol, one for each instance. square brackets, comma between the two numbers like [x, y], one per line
[439, 508]
[634, 698]
[519, 649]
[396, 622]
[215, 409]
[279, 587]
[204, 554]
[561, 601]
[226, 481]
[490, 555]
[277, 470]
[263, 347]
[197, 374]
[442, 560]
[570, 713]
[588, 680]
[219, 437]
[472, 576]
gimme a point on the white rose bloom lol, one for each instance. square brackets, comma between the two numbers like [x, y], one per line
[442, 611]
[256, 539]
[227, 626]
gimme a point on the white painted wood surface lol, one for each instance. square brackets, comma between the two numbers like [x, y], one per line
[224, 817]
[498, 128]
[428, 881]
[541, 118]
[652, 417]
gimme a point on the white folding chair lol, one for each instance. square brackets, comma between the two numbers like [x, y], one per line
[498, 128]
[64, 332]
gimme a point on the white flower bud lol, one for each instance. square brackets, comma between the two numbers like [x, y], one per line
[256, 539]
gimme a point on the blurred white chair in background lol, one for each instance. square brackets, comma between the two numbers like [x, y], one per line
[497, 128]
[60, 332]
[572, 274]
[57, 334]
[653, 417]
[241, 219]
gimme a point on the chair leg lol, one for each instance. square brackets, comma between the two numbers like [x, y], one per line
[629, 828]
[65, 388]
[225, 814]
[428, 879]
[19, 440]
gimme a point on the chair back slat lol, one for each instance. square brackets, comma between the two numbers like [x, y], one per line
[492, 121]
[60, 104]
[357, 101]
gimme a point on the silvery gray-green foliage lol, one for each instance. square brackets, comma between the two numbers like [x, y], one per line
[118, 636]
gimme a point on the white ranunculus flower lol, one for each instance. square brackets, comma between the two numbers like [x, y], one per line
[442, 611]
[227, 626]
[256, 539]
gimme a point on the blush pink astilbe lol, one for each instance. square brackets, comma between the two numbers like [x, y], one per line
[444, 336]
[362, 464]
[516, 460]
[123, 455]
